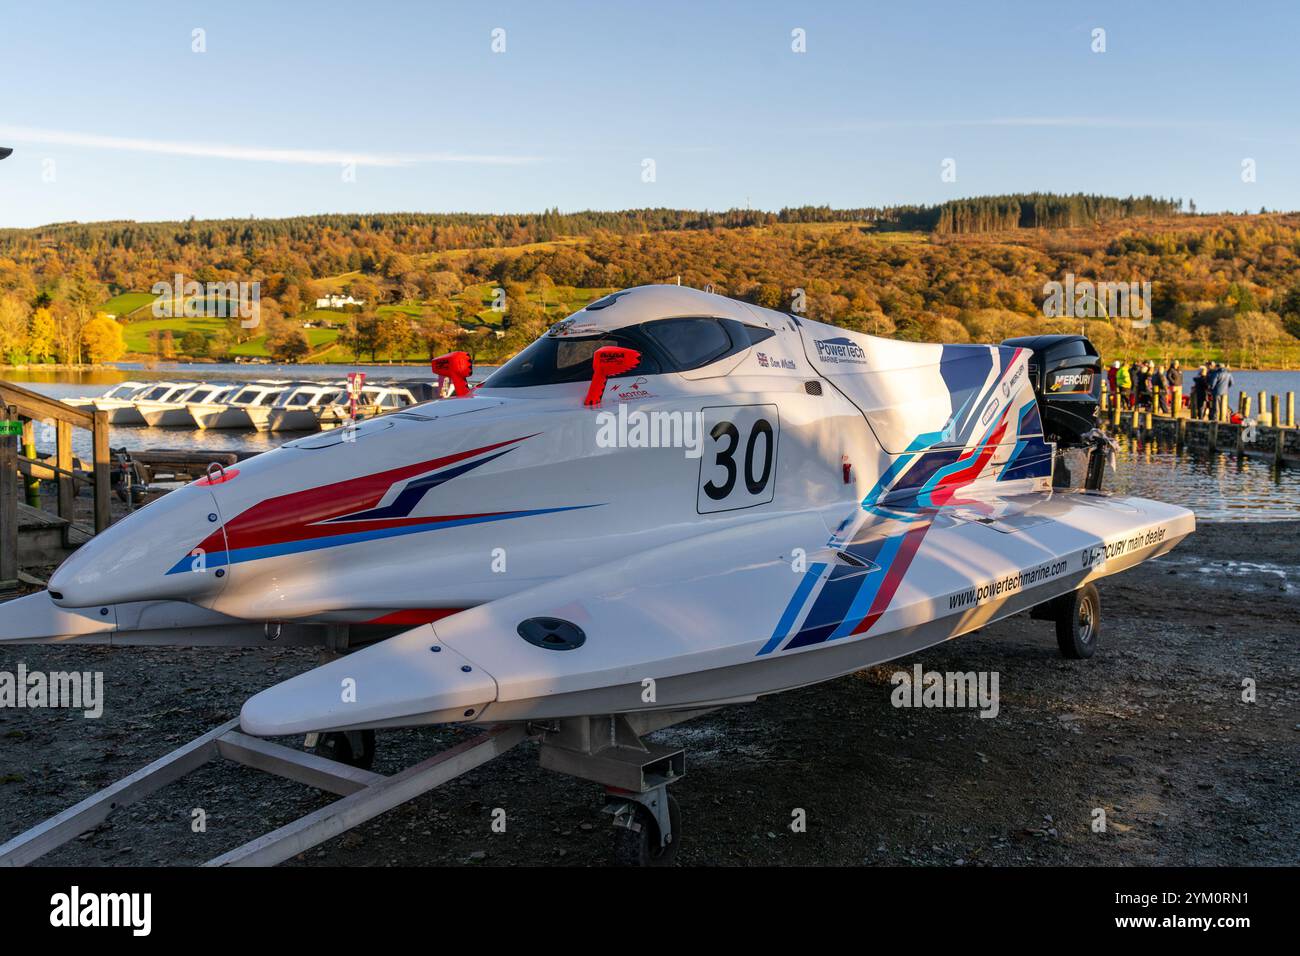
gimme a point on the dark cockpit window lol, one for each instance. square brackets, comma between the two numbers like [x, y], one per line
[554, 360]
[666, 345]
[690, 343]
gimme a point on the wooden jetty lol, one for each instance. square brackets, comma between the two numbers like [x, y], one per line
[31, 536]
[1271, 435]
[22, 410]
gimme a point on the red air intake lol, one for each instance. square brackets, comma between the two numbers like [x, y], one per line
[458, 367]
[608, 361]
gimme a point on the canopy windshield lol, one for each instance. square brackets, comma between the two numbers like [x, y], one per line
[666, 345]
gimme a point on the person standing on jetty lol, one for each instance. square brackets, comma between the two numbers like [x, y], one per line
[1200, 392]
[1174, 379]
[1141, 386]
[1222, 386]
[1124, 384]
[1159, 390]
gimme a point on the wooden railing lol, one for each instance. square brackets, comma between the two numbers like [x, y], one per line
[32, 408]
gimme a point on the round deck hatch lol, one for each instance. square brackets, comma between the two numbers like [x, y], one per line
[552, 633]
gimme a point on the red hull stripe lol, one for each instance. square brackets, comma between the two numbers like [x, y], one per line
[295, 516]
[416, 616]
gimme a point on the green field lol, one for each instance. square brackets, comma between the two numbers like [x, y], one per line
[137, 333]
[559, 302]
[317, 338]
[413, 309]
[126, 303]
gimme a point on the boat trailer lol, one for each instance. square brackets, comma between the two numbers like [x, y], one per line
[607, 750]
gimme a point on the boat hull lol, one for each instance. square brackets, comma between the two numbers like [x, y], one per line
[293, 420]
[259, 417]
[737, 638]
[220, 416]
[120, 413]
[159, 415]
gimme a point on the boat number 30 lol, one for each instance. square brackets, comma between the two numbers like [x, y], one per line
[738, 457]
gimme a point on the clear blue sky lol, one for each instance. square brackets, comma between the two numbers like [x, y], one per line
[140, 127]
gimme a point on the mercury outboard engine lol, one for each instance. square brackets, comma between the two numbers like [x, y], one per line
[1065, 371]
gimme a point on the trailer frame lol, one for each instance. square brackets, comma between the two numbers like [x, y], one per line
[607, 750]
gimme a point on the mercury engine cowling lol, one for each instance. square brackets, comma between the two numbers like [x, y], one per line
[1065, 371]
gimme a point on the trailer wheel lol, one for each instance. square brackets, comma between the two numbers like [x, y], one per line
[1078, 623]
[638, 845]
[356, 748]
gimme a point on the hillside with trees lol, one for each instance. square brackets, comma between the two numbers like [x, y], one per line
[966, 270]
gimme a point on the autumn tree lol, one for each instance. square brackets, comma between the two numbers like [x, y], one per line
[13, 330]
[361, 334]
[103, 340]
[397, 333]
[286, 341]
[438, 330]
[194, 343]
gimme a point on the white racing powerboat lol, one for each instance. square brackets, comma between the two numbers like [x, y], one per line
[671, 501]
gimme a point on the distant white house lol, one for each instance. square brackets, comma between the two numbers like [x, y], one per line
[338, 301]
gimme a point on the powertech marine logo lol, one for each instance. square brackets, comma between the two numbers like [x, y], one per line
[1071, 382]
[840, 350]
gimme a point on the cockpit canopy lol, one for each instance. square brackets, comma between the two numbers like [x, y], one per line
[564, 353]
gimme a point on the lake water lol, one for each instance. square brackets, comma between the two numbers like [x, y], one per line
[1216, 487]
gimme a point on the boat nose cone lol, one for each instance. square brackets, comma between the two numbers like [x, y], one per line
[412, 678]
[172, 549]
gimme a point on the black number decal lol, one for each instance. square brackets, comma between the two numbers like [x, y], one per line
[726, 459]
[756, 485]
[739, 443]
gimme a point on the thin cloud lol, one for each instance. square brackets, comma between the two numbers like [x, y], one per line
[1081, 122]
[257, 154]
[1028, 122]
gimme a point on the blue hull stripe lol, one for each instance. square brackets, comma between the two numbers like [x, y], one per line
[240, 555]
